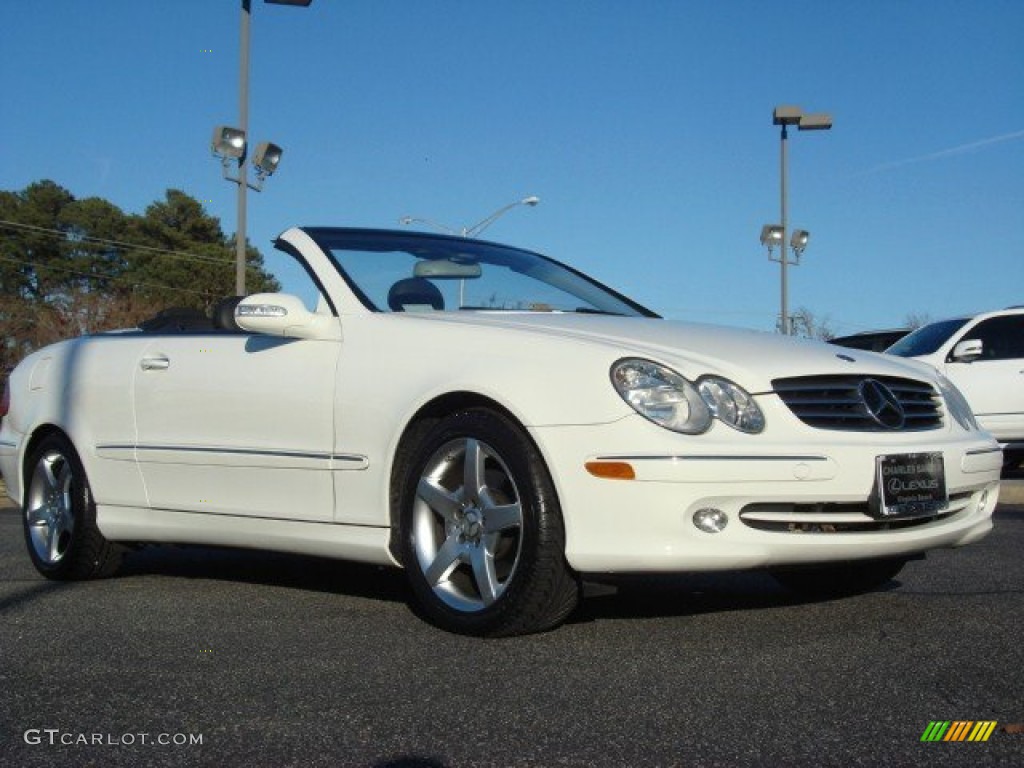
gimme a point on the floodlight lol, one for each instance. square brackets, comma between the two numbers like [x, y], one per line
[266, 158]
[816, 122]
[799, 240]
[771, 235]
[786, 115]
[228, 142]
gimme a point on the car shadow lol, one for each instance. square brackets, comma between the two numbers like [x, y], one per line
[280, 569]
[604, 597]
[1009, 513]
[672, 595]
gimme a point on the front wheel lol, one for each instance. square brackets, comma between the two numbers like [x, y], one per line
[839, 579]
[60, 516]
[482, 535]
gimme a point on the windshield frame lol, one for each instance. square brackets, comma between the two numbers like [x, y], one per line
[331, 239]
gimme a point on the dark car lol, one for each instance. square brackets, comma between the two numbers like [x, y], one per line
[873, 341]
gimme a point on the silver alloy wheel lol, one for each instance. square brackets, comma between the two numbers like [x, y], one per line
[467, 524]
[48, 507]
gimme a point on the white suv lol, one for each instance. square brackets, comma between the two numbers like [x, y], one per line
[984, 356]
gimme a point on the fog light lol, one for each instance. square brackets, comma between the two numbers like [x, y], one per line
[983, 501]
[710, 520]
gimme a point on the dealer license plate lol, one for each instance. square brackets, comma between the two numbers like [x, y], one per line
[910, 484]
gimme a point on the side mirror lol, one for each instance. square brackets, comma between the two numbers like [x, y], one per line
[967, 351]
[280, 314]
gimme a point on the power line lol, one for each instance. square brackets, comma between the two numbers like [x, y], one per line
[106, 277]
[225, 262]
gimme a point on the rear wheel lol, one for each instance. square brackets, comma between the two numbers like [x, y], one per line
[482, 534]
[840, 579]
[60, 516]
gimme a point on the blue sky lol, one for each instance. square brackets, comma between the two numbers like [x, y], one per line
[644, 127]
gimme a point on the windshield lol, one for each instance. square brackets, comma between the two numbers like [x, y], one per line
[927, 338]
[410, 272]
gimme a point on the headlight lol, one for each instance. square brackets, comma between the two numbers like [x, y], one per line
[957, 405]
[731, 404]
[669, 400]
[661, 395]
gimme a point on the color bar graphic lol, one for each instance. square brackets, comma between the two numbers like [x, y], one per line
[959, 730]
[935, 731]
[982, 730]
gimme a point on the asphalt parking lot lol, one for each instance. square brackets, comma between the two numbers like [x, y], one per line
[279, 660]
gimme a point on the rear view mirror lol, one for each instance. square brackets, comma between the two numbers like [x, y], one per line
[447, 268]
[967, 351]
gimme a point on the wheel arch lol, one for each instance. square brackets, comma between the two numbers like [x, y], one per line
[418, 425]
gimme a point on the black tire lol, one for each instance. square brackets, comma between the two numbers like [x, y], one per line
[839, 579]
[482, 538]
[59, 516]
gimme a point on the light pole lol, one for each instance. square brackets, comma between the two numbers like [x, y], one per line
[234, 146]
[483, 224]
[785, 117]
[477, 228]
[771, 236]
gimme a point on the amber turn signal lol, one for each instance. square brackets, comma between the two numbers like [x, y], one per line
[611, 470]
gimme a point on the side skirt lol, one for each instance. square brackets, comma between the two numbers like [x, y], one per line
[365, 544]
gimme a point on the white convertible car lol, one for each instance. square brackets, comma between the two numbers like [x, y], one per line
[498, 425]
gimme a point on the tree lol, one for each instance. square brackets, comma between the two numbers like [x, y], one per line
[31, 257]
[202, 276]
[805, 324]
[69, 267]
[915, 320]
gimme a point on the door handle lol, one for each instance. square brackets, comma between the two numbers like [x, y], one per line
[155, 363]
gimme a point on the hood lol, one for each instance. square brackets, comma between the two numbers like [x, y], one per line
[750, 358]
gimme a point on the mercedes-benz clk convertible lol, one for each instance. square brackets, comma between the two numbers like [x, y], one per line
[497, 424]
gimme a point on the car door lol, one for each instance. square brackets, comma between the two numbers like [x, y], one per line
[237, 424]
[994, 382]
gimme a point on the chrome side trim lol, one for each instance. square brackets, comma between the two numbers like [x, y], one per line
[192, 453]
[253, 452]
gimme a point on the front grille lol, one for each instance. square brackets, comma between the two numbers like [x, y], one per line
[836, 402]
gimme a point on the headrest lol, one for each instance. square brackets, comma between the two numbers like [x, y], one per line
[414, 293]
[224, 313]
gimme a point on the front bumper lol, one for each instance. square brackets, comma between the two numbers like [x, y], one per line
[784, 506]
[9, 465]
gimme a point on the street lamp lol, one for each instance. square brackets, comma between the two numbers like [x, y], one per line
[407, 220]
[786, 116]
[483, 224]
[472, 231]
[477, 228]
[230, 143]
